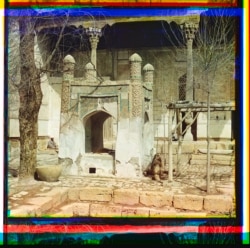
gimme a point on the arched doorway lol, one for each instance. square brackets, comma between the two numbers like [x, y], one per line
[99, 132]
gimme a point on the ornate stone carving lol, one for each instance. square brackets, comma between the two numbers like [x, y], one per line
[189, 30]
[135, 67]
[136, 100]
[94, 35]
[65, 97]
[68, 77]
[94, 41]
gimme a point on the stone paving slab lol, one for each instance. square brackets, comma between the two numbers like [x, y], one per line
[126, 196]
[227, 189]
[43, 204]
[95, 194]
[58, 195]
[188, 202]
[218, 203]
[156, 199]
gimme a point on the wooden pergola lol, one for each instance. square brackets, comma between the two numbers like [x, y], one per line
[187, 107]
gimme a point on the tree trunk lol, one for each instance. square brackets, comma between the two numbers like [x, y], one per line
[30, 94]
[208, 137]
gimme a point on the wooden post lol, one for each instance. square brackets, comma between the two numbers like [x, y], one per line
[208, 137]
[164, 141]
[170, 148]
[179, 131]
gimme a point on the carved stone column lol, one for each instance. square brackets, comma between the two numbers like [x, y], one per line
[136, 90]
[189, 30]
[94, 36]
[148, 126]
[148, 72]
[68, 77]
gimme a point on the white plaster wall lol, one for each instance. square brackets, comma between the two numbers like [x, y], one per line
[122, 148]
[14, 128]
[103, 163]
[111, 108]
[43, 116]
[218, 128]
[135, 138]
[161, 128]
[129, 148]
[72, 142]
[148, 144]
[54, 112]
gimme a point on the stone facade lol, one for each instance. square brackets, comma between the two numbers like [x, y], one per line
[87, 104]
[127, 96]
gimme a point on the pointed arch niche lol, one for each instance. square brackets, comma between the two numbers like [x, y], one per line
[100, 133]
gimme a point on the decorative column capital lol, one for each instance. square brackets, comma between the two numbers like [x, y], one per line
[94, 34]
[93, 31]
[93, 42]
[189, 30]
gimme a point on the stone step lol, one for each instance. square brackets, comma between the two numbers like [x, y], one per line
[212, 162]
[195, 147]
[217, 151]
[201, 159]
[214, 156]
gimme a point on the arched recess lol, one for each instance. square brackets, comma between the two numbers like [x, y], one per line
[94, 131]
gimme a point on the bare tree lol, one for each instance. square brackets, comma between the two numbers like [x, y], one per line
[213, 53]
[25, 75]
[30, 31]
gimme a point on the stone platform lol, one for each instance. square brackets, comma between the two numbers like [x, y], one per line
[95, 196]
[109, 197]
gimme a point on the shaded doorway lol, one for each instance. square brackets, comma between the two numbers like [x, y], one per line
[99, 132]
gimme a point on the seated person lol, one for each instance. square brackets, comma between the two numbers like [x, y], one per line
[52, 144]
